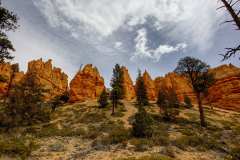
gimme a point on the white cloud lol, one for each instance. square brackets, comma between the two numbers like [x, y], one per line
[118, 45]
[194, 20]
[143, 51]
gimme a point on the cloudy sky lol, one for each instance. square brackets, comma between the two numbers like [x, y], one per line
[145, 34]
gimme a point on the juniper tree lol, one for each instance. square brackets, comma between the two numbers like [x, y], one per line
[141, 91]
[200, 79]
[103, 99]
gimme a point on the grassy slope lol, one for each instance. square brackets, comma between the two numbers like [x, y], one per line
[83, 131]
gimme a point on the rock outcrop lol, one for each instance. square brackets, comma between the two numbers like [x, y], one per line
[128, 87]
[86, 85]
[9, 76]
[178, 83]
[150, 86]
[225, 93]
[51, 78]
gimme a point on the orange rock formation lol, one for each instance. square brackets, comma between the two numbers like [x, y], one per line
[9, 76]
[51, 78]
[225, 93]
[179, 83]
[86, 85]
[150, 86]
[128, 87]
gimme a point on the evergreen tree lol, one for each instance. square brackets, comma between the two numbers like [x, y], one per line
[197, 73]
[25, 104]
[117, 89]
[141, 92]
[8, 21]
[168, 103]
[103, 99]
[142, 125]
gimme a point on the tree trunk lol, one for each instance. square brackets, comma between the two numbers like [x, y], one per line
[113, 107]
[202, 118]
[232, 13]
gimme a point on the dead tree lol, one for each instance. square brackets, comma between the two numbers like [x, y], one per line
[233, 9]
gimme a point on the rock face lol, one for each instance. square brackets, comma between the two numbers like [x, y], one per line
[128, 87]
[51, 78]
[150, 86]
[225, 93]
[86, 85]
[9, 76]
[179, 83]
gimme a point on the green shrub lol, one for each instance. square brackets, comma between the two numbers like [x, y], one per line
[234, 154]
[187, 102]
[201, 142]
[153, 156]
[141, 144]
[103, 99]
[160, 136]
[118, 135]
[142, 125]
[17, 147]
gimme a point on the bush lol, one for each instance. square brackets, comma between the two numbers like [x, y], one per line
[141, 144]
[187, 102]
[142, 125]
[17, 147]
[153, 156]
[103, 99]
[201, 142]
[234, 154]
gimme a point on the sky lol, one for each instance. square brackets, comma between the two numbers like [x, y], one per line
[149, 35]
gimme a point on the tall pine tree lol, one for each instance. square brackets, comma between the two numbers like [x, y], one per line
[117, 89]
[8, 21]
[141, 91]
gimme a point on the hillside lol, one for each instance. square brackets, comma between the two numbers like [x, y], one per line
[84, 131]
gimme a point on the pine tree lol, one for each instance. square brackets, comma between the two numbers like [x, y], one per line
[25, 104]
[103, 99]
[8, 21]
[168, 103]
[117, 89]
[142, 125]
[141, 92]
[197, 73]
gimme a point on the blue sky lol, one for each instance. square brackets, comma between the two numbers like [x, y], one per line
[151, 35]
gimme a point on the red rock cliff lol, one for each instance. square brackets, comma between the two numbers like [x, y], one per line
[225, 93]
[86, 85]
